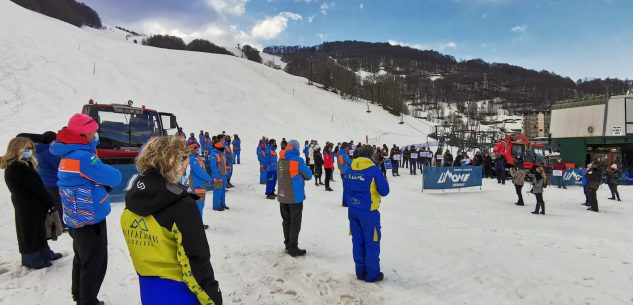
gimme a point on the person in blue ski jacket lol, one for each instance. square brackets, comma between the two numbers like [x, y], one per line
[84, 185]
[366, 185]
[344, 162]
[48, 167]
[217, 159]
[270, 165]
[237, 148]
[261, 155]
[583, 179]
[292, 172]
[205, 144]
[229, 160]
[306, 152]
[201, 137]
[198, 175]
[192, 139]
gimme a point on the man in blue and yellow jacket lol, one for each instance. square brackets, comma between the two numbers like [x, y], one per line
[292, 173]
[366, 185]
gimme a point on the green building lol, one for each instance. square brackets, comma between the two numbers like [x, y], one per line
[599, 128]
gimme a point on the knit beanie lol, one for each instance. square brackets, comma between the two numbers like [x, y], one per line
[81, 124]
[295, 145]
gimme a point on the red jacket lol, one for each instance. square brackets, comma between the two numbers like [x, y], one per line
[328, 161]
[559, 166]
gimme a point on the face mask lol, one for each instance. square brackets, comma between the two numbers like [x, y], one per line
[27, 153]
[96, 137]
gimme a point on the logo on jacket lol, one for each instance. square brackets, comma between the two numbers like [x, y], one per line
[140, 185]
[356, 177]
[455, 178]
[139, 224]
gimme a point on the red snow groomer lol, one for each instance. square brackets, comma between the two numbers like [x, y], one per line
[518, 148]
[123, 130]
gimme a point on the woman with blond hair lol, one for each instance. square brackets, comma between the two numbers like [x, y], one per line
[32, 203]
[163, 230]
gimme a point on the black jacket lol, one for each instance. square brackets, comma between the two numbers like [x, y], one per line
[318, 158]
[152, 200]
[31, 201]
[594, 178]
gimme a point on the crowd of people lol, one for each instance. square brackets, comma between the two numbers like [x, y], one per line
[61, 185]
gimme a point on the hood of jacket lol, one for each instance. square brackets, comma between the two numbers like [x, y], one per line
[150, 193]
[288, 154]
[68, 142]
[362, 163]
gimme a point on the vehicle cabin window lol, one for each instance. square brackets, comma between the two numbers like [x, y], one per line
[127, 129]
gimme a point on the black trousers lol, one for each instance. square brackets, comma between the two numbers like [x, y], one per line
[593, 199]
[405, 163]
[394, 167]
[540, 204]
[318, 172]
[518, 189]
[291, 222]
[613, 187]
[57, 201]
[501, 176]
[413, 166]
[90, 244]
[328, 177]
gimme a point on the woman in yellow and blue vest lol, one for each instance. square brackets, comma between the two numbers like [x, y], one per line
[163, 230]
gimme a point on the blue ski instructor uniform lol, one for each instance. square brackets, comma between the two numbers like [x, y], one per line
[366, 185]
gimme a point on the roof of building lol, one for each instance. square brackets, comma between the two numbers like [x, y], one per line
[573, 103]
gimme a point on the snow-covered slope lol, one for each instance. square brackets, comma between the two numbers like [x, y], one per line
[48, 69]
[469, 247]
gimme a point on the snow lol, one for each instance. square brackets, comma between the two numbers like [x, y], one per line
[468, 247]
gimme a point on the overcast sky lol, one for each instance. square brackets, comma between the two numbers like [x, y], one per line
[575, 38]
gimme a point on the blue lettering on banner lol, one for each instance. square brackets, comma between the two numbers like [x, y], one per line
[438, 178]
[572, 177]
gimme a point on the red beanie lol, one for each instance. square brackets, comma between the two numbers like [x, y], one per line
[82, 124]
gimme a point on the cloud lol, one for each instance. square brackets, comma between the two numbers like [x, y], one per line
[448, 45]
[322, 36]
[325, 7]
[362, 6]
[231, 7]
[519, 28]
[271, 27]
[311, 18]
